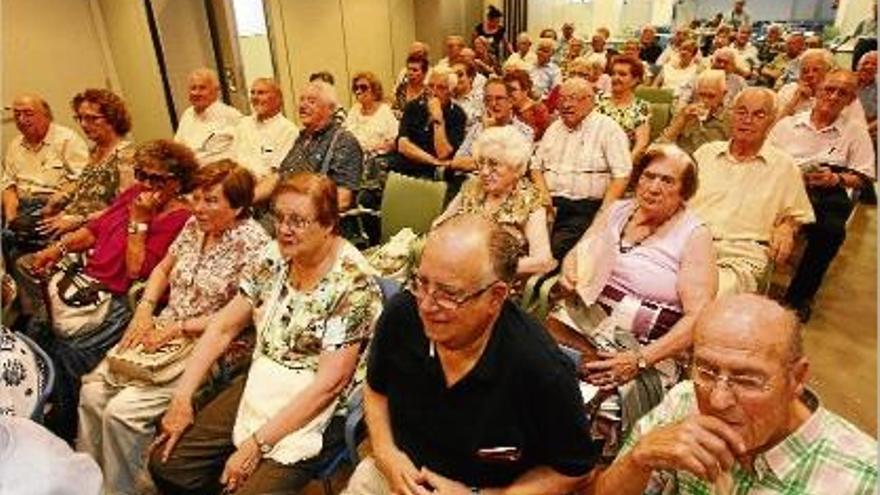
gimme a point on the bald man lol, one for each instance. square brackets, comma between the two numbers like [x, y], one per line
[465, 393]
[208, 126]
[263, 138]
[746, 423]
[41, 160]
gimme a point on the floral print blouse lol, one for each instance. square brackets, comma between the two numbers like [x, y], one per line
[295, 327]
[513, 213]
[98, 183]
[629, 117]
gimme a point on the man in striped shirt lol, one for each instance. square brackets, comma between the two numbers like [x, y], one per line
[745, 423]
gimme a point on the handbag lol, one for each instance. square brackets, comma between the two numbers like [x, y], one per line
[78, 304]
[154, 367]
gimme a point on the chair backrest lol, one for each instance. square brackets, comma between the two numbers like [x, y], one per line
[410, 202]
[654, 95]
[27, 376]
[661, 114]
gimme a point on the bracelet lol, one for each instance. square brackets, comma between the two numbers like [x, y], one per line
[62, 248]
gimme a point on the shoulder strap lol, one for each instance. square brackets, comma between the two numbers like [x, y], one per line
[325, 164]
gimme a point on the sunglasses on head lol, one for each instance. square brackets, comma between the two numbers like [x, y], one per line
[150, 178]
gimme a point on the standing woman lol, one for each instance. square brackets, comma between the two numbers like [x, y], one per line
[493, 31]
[631, 113]
[414, 85]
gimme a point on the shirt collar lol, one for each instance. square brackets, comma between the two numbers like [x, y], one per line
[208, 111]
[268, 121]
[762, 154]
[803, 119]
[784, 457]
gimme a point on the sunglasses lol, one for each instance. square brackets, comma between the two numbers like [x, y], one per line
[150, 178]
[360, 88]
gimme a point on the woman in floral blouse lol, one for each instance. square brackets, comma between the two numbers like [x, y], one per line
[201, 271]
[632, 113]
[502, 192]
[314, 303]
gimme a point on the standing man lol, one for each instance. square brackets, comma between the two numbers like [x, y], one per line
[465, 393]
[739, 16]
[208, 126]
[585, 159]
[649, 49]
[836, 155]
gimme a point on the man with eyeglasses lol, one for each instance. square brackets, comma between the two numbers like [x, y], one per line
[836, 156]
[751, 195]
[207, 127]
[465, 393]
[745, 423]
[42, 159]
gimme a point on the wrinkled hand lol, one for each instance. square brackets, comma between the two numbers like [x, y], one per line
[58, 224]
[152, 341]
[141, 325]
[42, 261]
[613, 369]
[144, 206]
[822, 177]
[700, 444]
[241, 465]
[781, 243]
[399, 471]
[175, 422]
[439, 485]
[692, 111]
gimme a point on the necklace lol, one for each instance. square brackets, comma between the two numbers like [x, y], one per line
[638, 242]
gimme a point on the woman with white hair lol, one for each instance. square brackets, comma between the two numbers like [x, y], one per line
[503, 193]
[595, 65]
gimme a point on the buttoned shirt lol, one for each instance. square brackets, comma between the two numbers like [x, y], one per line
[210, 134]
[824, 455]
[260, 145]
[853, 111]
[742, 200]
[579, 163]
[57, 159]
[467, 146]
[696, 133]
[545, 78]
[526, 63]
[843, 143]
[472, 104]
[310, 153]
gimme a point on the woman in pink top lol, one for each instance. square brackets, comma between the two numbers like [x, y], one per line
[122, 245]
[647, 266]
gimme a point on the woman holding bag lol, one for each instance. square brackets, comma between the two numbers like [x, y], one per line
[122, 399]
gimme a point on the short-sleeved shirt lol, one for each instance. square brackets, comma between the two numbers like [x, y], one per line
[629, 117]
[416, 126]
[579, 163]
[107, 259]
[211, 133]
[824, 455]
[544, 78]
[260, 145]
[522, 394]
[695, 134]
[374, 130]
[57, 160]
[99, 182]
[310, 151]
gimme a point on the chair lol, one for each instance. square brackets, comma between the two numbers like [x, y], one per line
[661, 107]
[45, 378]
[654, 95]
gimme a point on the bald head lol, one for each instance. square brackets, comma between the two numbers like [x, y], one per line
[476, 246]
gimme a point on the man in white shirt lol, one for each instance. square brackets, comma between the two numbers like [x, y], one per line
[207, 127]
[523, 58]
[797, 97]
[545, 74]
[585, 159]
[453, 45]
[747, 53]
[41, 160]
[751, 195]
[264, 138]
[836, 155]
[597, 46]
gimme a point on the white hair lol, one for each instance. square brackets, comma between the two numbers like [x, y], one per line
[580, 86]
[594, 60]
[824, 55]
[546, 42]
[767, 93]
[730, 52]
[712, 77]
[448, 75]
[206, 73]
[326, 93]
[524, 36]
[505, 144]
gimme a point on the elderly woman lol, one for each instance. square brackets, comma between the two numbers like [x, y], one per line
[414, 84]
[681, 70]
[633, 114]
[534, 113]
[646, 266]
[121, 401]
[370, 119]
[88, 304]
[595, 65]
[502, 192]
[314, 303]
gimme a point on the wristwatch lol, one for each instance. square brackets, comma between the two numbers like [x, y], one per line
[641, 362]
[264, 447]
[137, 227]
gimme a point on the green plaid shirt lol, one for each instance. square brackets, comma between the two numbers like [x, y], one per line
[825, 456]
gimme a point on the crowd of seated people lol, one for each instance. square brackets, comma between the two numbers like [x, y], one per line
[209, 321]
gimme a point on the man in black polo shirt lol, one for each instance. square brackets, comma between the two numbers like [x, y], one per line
[431, 128]
[465, 393]
[323, 146]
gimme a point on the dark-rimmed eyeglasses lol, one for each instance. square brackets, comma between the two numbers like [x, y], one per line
[360, 88]
[145, 177]
[445, 297]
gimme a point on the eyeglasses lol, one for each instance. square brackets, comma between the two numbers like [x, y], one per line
[88, 119]
[743, 113]
[151, 178]
[740, 385]
[360, 88]
[292, 221]
[489, 164]
[445, 297]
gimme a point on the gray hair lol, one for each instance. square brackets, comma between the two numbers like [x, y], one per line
[524, 36]
[593, 60]
[546, 42]
[712, 77]
[448, 75]
[326, 93]
[579, 85]
[822, 54]
[505, 144]
[728, 51]
[206, 73]
[584, 62]
[766, 93]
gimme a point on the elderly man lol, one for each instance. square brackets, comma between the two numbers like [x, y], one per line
[739, 16]
[575, 50]
[585, 159]
[453, 45]
[797, 97]
[751, 195]
[208, 126]
[772, 44]
[835, 154]
[431, 129]
[523, 58]
[597, 46]
[264, 138]
[724, 60]
[706, 119]
[867, 71]
[465, 393]
[324, 146]
[39, 162]
[785, 67]
[545, 74]
[562, 45]
[746, 52]
[649, 49]
[745, 422]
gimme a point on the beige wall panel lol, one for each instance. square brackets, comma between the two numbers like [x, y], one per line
[49, 47]
[403, 32]
[367, 41]
[128, 36]
[436, 19]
